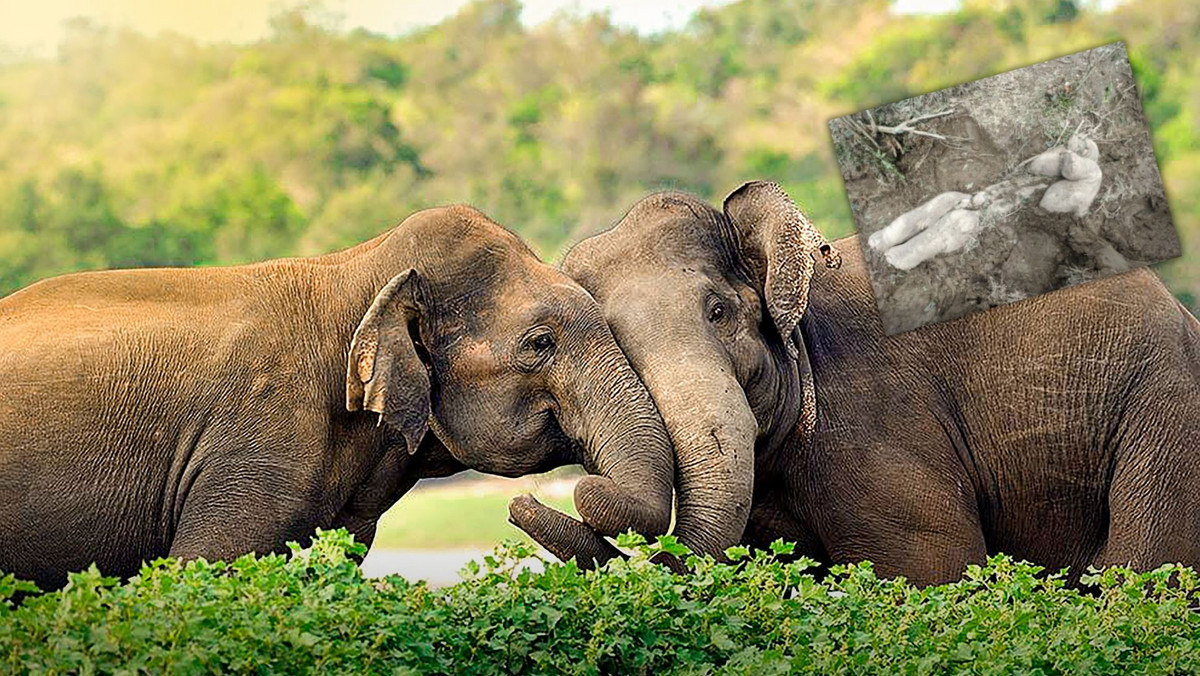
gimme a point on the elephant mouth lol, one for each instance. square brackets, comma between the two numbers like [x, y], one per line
[564, 450]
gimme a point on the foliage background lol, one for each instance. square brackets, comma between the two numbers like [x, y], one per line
[129, 150]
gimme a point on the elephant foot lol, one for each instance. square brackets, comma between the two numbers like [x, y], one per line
[952, 232]
[1084, 147]
[1071, 197]
[561, 535]
[1081, 177]
[915, 221]
[1049, 163]
[1046, 163]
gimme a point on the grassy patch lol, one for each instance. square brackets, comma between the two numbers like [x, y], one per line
[459, 516]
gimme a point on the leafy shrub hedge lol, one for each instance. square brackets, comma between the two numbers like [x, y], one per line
[313, 611]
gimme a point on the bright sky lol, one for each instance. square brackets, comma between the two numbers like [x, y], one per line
[35, 26]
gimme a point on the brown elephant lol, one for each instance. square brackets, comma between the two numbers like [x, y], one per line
[1063, 429]
[217, 411]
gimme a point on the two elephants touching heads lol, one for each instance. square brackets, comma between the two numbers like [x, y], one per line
[688, 350]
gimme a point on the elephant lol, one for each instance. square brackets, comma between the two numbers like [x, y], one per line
[211, 412]
[1063, 429]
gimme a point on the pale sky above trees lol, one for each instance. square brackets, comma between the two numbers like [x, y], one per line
[36, 28]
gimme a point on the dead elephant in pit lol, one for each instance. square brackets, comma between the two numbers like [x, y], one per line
[950, 221]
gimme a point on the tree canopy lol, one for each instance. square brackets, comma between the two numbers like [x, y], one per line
[130, 150]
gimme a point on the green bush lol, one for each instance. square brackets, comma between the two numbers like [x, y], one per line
[312, 611]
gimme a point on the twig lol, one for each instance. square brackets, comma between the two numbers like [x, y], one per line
[918, 132]
[906, 127]
[862, 130]
[1058, 141]
[930, 116]
[1088, 72]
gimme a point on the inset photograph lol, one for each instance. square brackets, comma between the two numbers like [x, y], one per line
[1003, 188]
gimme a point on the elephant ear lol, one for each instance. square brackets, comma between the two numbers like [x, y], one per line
[778, 246]
[384, 373]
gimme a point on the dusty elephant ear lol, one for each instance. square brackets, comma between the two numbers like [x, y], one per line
[778, 245]
[384, 374]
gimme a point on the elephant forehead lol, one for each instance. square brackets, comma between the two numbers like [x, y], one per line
[483, 281]
[677, 257]
[449, 232]
[468, 259]
[653, 291]
[502, 315]
[665, 229]
[678, 241]
[474, 359]
[540, 288]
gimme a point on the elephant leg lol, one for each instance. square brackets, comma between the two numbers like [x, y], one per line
[388, 482]
[915, 221]
[1154, 510]
[924, 554]
[223, 518]
[908, 521]
[363, 530]
[1154, 493]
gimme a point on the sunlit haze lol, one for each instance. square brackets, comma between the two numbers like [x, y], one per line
[37, 27]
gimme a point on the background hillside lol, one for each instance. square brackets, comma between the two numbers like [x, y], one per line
[129, 150]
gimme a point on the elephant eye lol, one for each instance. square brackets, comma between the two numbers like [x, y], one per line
[542, 342]
[716, 310]
[537, 347]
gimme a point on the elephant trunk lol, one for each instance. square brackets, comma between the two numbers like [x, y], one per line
[626, 449]
[713, 430]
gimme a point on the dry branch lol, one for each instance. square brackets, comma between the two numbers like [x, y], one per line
[906, 127]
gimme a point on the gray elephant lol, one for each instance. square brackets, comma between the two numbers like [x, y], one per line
[1064, 429]
[217, 411]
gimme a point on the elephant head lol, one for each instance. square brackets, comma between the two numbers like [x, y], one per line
[706, 305]
[511, 366]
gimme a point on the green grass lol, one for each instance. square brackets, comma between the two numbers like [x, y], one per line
[457, 517]
[313, 612]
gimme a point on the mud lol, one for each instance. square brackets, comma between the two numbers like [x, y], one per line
[997, 124]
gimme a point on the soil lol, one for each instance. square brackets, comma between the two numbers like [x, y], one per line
[997, 123]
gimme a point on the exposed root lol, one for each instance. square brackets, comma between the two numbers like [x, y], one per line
[906, 127]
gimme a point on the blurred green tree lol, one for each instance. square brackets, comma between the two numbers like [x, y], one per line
[128, 150]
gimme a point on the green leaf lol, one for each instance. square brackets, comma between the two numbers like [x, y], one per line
[779, 547]
[630, 540]
[737, 553]
[720, 638]
[671, 545]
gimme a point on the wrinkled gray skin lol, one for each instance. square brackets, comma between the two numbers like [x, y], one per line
[217, 411]
[1064, 429]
